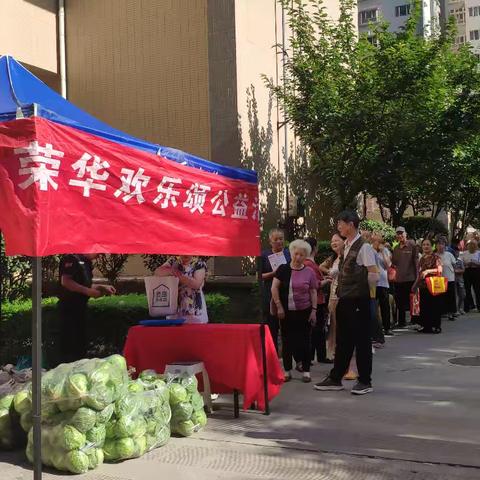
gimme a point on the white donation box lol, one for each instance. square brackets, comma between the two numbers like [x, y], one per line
[162, 295]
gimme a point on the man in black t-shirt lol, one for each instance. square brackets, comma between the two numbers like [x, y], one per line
[76, 276]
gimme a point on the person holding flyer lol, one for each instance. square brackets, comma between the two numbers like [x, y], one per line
[272, 258]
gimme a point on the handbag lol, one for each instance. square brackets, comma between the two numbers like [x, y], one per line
[437, 285]
[415, 304]
[392, 274]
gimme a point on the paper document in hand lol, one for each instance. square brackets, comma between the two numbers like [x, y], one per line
[277, 259]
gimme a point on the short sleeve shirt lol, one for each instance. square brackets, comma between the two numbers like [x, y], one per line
[366, 256]
[80, 269]
[382, 267]
[448, 264]
[299, 283]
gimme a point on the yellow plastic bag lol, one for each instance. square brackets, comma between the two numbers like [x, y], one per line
[437, 285]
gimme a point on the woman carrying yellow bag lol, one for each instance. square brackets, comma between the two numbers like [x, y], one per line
[429, 272]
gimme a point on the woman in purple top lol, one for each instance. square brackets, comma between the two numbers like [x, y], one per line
[294, 301]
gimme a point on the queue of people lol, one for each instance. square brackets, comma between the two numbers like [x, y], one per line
[341, 310]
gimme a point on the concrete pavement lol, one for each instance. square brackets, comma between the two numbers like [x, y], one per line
[422, 423]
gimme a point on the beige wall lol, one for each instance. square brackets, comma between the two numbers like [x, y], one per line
[142, 67]
[29, 32]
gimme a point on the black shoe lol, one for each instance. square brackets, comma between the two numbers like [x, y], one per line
[361, 388]
[306, 379]
[451, 318]
[437, 330]
[425, 330]
[401, 327]
[329, 385]
[389, 333]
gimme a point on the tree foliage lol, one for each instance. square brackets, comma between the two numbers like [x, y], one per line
[395, 115]
[111, 265]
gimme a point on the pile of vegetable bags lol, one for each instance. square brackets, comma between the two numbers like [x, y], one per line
[188, 414]
[78, 402]
[140, 421]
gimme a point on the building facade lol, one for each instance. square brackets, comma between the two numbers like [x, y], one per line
[176, 72]
[396, 13]
[467, 17]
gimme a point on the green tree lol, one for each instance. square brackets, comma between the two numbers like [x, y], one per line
[111, 265]
[381, 115]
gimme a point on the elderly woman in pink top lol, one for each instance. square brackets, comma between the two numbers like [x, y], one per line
[294, 300]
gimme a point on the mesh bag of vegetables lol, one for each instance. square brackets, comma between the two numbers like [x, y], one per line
[11, 433]
[140, 422]
[73, 441]
[188, 413]
[94, 383]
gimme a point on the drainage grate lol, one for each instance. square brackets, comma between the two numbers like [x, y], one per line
[466, 361]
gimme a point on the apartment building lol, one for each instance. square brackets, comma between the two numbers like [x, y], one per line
[467, 16]
[396, 13]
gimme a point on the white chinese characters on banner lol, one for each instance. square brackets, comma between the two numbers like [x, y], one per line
[132, 180]
[220, 202]
[240, 206]
[196, 197]
[93, 170]
[167, 193]
[39, 165]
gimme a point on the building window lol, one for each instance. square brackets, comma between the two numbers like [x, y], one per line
[402, 10]
[474, 35]
[367, 16]
[459, 14]
[460, 40]
[373, 40]
[474, 11]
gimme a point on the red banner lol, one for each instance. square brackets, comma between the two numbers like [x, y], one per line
[65, 191]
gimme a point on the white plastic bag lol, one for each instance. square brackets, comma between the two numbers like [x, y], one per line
[162, 295]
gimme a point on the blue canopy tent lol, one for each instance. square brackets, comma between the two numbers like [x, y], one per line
[24, 95]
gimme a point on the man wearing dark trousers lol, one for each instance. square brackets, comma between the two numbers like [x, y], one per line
[405, 263]
[76, 275]
[357, 282]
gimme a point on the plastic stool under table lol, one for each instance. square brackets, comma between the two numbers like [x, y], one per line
[193, 368]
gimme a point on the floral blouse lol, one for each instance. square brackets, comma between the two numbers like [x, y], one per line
[191, 302]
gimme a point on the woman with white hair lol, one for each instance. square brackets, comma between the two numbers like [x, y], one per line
[294, 301]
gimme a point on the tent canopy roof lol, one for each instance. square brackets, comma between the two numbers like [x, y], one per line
[20, 89]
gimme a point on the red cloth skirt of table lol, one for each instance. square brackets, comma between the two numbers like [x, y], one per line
[232, 355]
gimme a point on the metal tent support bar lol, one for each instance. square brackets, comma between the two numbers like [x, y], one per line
[37, 365]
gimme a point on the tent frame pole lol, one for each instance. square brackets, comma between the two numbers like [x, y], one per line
[37, 365]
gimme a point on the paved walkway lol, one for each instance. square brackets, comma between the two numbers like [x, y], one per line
[422, 423]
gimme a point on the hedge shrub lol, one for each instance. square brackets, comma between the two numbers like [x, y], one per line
[109, 319]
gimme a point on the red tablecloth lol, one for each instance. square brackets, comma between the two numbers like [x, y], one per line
[232, 355]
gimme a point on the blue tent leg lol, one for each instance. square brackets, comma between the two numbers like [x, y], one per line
[37, 365]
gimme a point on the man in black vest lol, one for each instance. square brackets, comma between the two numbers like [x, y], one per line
[357, 281]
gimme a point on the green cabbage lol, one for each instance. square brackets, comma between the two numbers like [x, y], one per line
[22, 402]
[103, 416]
[26, 421]
[97, 435]
[110, 450]
[125, 448]
[6, 402]
[71, 438]
[182, 412]
[135, 387]
[197, 401]
[125, 427]
[178, 394]
[5, 423]
[95, 457]
[190, 383]
[84, 419]
[76, 386]
[199, 419]
[77, 461]
[58, 460]
[140, 446]
[185, 429]
[118, 362]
